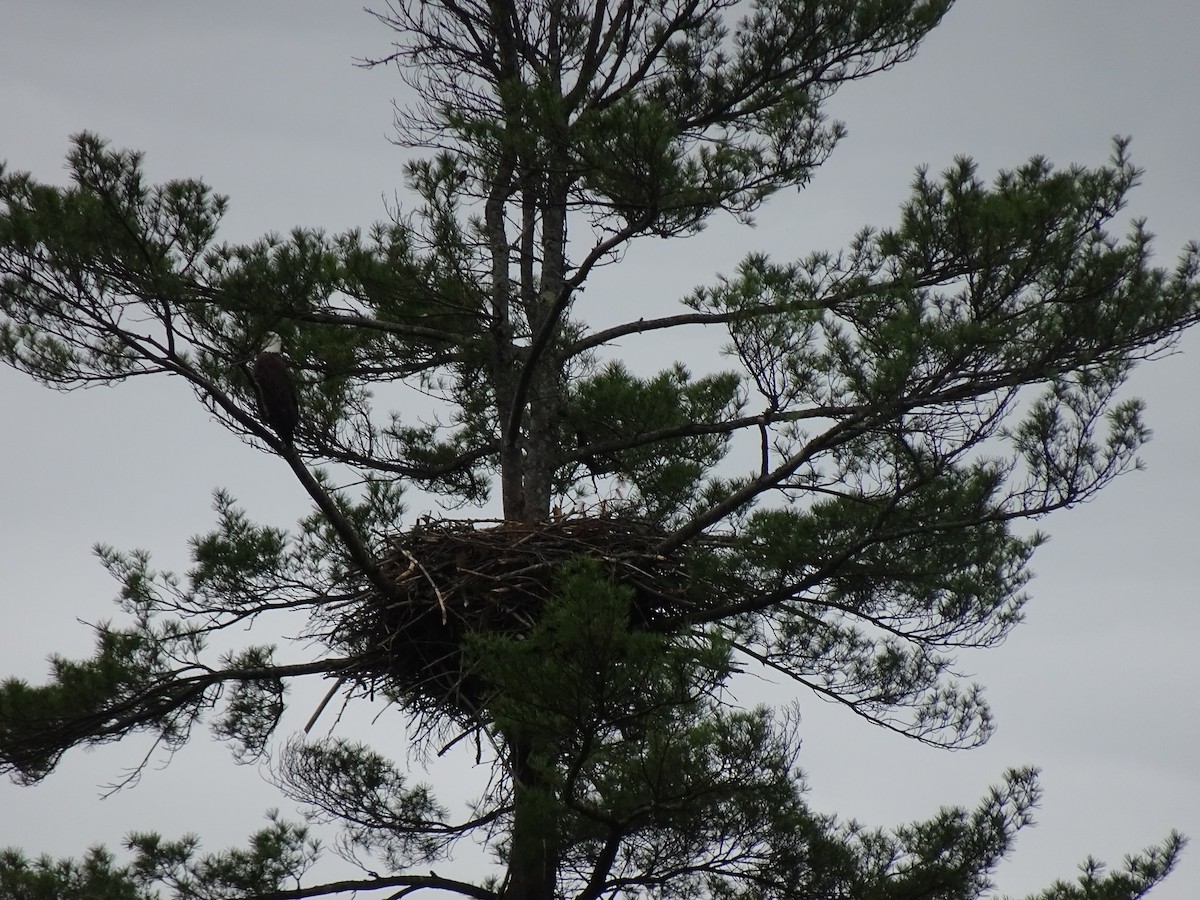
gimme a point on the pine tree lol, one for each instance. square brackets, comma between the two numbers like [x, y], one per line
[843, 501]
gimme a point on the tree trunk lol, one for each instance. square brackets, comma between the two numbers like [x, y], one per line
[534, 853]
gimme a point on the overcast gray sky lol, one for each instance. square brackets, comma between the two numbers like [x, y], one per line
[1098, 687]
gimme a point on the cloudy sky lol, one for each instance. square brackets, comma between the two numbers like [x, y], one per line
[262, 100]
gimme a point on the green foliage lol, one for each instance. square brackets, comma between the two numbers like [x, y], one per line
[612, 412]
[345, 782]
[1137, 875]
[584, 675]
[253, 706]
[96, 876]
[646, 759]
[276, 855]
[128, 686]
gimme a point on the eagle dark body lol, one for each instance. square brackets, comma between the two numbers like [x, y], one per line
[276, 391]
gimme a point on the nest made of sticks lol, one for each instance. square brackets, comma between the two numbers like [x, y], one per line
[453, 578]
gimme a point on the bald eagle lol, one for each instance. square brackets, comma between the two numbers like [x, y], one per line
[276, 391]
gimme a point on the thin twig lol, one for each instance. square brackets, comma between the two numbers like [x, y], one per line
[324, 703]
[433, 584]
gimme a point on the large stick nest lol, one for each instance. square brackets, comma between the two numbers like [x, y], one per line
[454, 578]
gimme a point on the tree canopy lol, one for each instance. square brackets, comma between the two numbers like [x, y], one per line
[845, 498]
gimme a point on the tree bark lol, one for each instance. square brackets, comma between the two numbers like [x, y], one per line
[534, 852]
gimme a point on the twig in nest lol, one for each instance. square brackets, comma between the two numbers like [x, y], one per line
[433, 584]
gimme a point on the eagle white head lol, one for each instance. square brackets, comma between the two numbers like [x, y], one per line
[274, 343]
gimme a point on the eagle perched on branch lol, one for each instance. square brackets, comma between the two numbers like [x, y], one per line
[277, 398]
